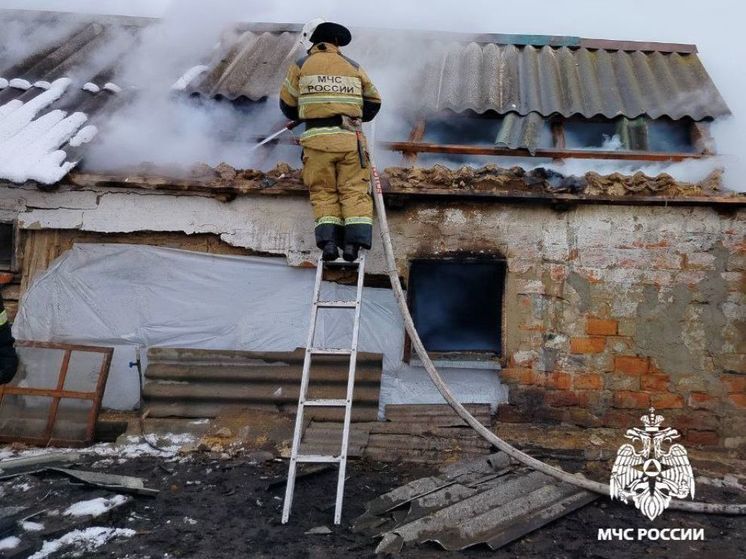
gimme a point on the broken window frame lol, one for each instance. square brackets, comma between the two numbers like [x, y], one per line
[468, 358]
[59, 393]
[633, 132]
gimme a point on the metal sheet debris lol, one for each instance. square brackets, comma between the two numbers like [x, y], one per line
[9, 518]
[485, 501]
[113, 482]
[13, 467]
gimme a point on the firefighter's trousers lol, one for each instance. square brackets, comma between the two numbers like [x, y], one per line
[342, 206]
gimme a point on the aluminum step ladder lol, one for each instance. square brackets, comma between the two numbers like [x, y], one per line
[303, 400]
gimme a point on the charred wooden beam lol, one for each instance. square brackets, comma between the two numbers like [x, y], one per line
[426, 192]
[415, 135]
[421, 147]
[558, 134]
[211, 186]
[702, 139]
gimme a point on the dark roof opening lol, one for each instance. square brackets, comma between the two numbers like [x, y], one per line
[665, 134]
[6, 246]
[457, 304]
[453, 128]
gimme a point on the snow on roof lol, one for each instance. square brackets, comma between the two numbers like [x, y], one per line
[30, 144]
[54, 95]
[189, 76]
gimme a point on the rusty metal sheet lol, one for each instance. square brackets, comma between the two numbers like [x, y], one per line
[205, 383]
[488, 501]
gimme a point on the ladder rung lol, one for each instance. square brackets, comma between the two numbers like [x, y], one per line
[341, 263]
[339, 403]
[330, 351]
[317, 459]
[336, 304]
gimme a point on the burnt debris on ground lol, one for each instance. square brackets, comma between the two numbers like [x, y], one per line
[227, 507]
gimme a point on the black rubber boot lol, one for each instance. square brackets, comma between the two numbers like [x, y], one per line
[330, 252]
[350, 252]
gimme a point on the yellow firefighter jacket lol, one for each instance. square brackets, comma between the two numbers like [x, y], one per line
[327, 84]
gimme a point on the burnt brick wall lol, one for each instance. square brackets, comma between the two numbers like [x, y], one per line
[610, 310]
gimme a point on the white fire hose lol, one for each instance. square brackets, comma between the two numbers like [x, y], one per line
[484, 432]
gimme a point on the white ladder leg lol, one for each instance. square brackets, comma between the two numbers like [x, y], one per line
[298, 431]
[303, 401]
[350, 390]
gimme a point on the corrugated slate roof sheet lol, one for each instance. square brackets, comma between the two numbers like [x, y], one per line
[518, 131]
[568, 81]
[460, 76]
[186, 382]
[528, 79]
[253, 67]
[488, 500]
[50, 101]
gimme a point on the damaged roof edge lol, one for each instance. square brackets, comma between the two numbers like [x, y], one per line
[503, 38]
[496, 38]
[228, 192]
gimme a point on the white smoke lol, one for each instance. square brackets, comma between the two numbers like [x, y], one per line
[162, 126]
[714, 26]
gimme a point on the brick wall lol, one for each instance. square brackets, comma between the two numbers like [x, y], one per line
[609, 309]
[635, 311]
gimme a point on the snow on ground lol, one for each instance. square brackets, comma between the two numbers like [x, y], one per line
[95, 507]
[22, 486]
[29, 526]
[131, 447]
[84, 540]
[11, 542]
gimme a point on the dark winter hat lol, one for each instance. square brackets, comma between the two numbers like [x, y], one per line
[330, 32]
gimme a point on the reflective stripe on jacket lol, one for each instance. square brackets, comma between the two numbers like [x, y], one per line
[326, 84]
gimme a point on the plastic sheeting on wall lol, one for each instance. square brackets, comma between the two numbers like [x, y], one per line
[137, 296]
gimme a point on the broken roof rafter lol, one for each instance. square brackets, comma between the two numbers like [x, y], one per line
[552, 153]
[511, 147]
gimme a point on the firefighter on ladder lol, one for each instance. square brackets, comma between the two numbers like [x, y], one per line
[332, 94]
